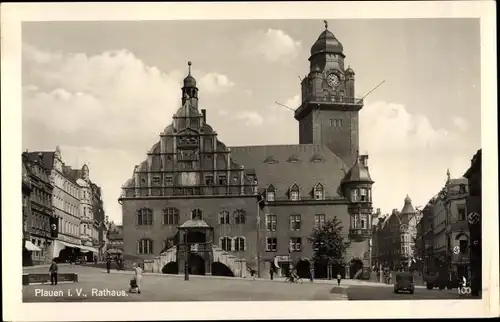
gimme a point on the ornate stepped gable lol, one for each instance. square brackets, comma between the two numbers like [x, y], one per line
[189, 159]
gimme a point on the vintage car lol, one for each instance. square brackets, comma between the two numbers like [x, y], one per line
[404, 281]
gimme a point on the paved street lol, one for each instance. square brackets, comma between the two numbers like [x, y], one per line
[174, 288]
[384, 292]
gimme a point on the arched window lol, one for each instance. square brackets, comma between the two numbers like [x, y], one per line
[145, 246]
[196, 214]
[319, 192]
[294, 192]
[170, 216]
[239, 217]
[224, 217]
[239, 244]
[226, 243]
[144, 217]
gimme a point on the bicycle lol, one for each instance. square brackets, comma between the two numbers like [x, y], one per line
[294, 280]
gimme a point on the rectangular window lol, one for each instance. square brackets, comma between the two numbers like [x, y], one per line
[319, 221]
[168, 180]
[271, 222]
[155, 179]
[294, 195]
[295, 222]
[363, 222]
[271, 244]
[296, 244]
[222, 180]
[171, 216]
[270, 196]
[463, 246]
[461, 213]
[354, 195]
[209, 180]
[318, 194]
[363, 195]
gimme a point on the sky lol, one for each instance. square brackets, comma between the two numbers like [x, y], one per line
[103, 91]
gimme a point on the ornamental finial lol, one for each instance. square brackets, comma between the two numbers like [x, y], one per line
[189, 64]
[326, 24]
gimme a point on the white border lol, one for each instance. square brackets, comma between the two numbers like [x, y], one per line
[13, 14]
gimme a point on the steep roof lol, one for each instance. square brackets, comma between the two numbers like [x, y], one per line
[408, 207]
[47, 158]
[283, 165]
[358, 173]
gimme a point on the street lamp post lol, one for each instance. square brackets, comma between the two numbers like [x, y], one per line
[259, 201]
[186, 254]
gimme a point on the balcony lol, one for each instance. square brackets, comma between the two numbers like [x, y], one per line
[334, 99]
[360, 233]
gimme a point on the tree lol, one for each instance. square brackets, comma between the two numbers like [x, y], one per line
[328, 243]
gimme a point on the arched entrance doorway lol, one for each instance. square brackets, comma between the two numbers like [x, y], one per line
[320, 270]
[170, 268]
[302, 268]
[196, 264]
[354, 267]
[220, 269]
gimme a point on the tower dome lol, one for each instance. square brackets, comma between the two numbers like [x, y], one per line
[189, 81]
[327, 43]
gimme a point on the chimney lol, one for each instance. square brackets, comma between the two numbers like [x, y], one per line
[363, 159]
[204, 112]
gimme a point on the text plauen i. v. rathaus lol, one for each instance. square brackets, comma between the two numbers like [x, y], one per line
[193, 182]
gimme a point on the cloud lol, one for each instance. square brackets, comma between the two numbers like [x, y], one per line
[273, 45]
[107, 102]
[250, 118]
[215, 83]
[407, 154]
[460, 123]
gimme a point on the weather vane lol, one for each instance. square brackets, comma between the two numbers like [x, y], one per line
[326, 24]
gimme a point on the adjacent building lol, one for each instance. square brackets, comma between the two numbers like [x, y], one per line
[395, 237]
[254, 206]
[37, 210]
[474, 219]
[443, 233]
[114, 246]
[73, 229]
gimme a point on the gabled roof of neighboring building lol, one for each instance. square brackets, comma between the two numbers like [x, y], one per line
[283, 165]
[46, 157]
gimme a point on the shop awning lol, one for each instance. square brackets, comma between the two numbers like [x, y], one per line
[32, 247]
[86, 249]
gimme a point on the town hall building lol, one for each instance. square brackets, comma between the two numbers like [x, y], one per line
[244, 208]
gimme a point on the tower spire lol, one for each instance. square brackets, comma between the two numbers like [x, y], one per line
[326, 24]
[189, 67]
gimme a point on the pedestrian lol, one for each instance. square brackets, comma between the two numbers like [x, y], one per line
[53, 272]
[108, 264]
[339, 277]
[311, 275]
[137, 277]
[271, 272]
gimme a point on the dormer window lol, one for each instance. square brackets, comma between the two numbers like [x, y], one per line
[294, 192]
[270, 193]
[319, 192]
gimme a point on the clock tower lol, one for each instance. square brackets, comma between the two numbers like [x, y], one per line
[328, 114]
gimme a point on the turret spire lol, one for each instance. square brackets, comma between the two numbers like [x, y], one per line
[189, 67]
[326, 24]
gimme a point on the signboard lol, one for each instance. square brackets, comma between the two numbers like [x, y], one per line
[54, 227]
[284, 258]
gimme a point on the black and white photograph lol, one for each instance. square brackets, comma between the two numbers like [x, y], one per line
[322, 159]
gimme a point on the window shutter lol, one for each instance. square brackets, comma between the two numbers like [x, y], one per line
[244, 243]
[138, 247]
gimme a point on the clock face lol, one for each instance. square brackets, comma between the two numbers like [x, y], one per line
[332, 80]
